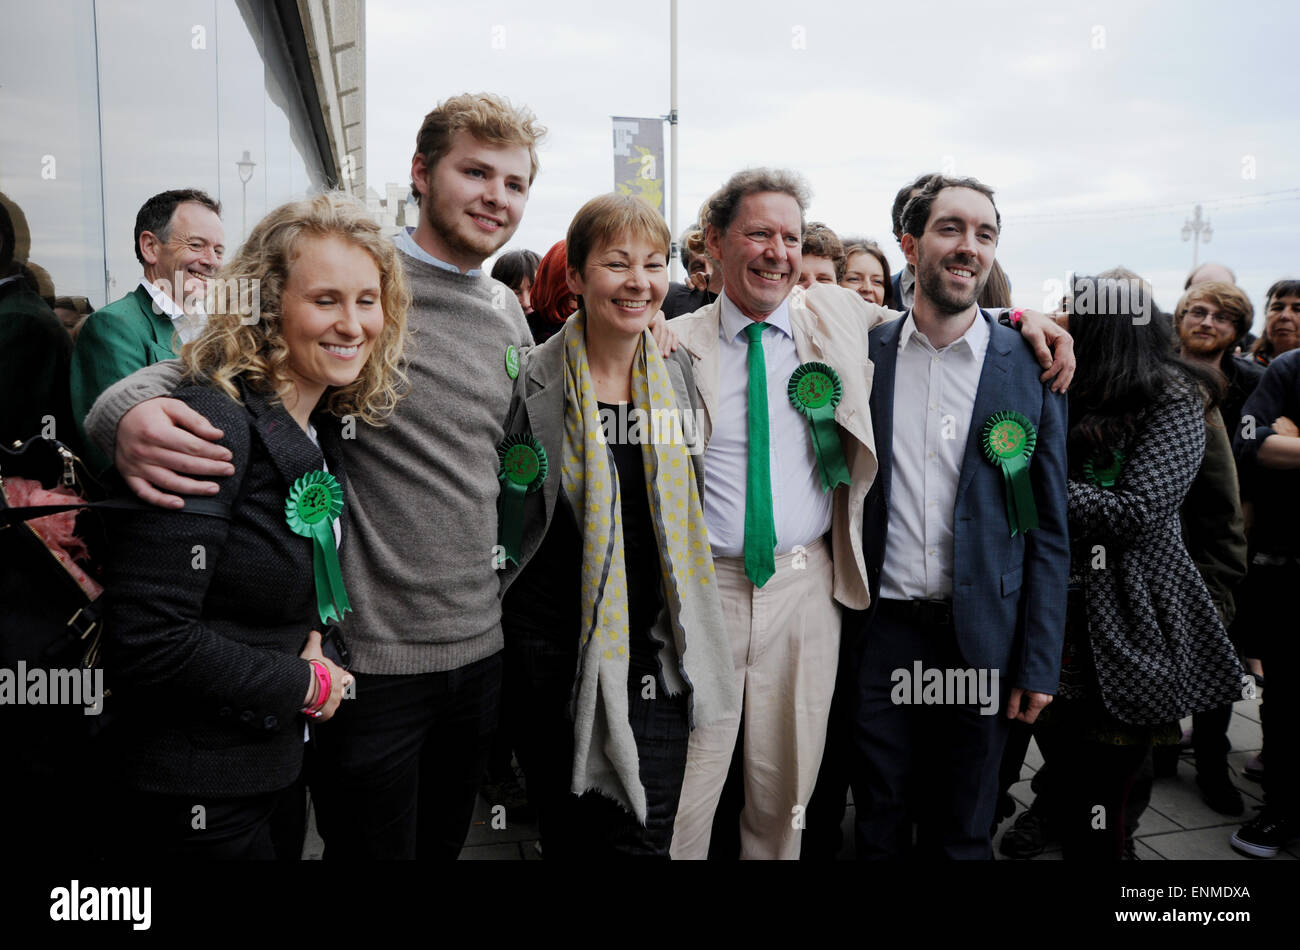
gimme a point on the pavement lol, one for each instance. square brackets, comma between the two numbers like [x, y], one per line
[1177, 825]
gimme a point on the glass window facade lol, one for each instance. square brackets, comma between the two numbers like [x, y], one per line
[103, 104]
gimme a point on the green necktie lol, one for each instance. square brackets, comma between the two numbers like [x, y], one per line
[760, 532]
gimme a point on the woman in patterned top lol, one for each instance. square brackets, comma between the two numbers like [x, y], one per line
[1144, 645]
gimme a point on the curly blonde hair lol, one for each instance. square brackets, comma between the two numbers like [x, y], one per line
[249, 342]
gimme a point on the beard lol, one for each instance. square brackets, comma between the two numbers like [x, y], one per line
[1205, 346]
[452, 231]
[932, 278]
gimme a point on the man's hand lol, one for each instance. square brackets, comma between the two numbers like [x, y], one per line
[1284, 426]
[663, 334]
[1025, 705]
[1053, 348]
[154, 449]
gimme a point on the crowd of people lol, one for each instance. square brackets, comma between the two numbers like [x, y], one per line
[702, 556]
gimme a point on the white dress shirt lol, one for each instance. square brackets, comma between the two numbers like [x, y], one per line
[934, 395]
[188, 326]
[801, 511]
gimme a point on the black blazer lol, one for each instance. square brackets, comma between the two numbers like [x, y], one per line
[206, 617]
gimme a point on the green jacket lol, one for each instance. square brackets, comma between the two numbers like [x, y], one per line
[115, 342]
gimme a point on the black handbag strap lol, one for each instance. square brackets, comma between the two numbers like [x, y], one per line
[193, 506]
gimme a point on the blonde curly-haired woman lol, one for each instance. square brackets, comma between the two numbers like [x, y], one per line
[215, 652]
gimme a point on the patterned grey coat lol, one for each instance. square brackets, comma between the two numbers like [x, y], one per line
[1159, 649]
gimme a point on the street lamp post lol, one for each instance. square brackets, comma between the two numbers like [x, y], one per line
[246, 166]
[1197, 230]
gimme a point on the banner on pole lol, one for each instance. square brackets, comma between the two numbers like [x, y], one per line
[639, 159]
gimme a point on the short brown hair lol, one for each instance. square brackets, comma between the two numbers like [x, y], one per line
[821, 241]
[1227, 297]
[488, 117]
[721, 208]
[916, 213]
[605, 218]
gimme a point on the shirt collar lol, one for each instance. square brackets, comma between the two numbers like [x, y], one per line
[976, 337]
[405, 242]
[733, 322]
[907, 280]
[164, 303]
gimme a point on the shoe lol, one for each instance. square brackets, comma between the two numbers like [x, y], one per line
[1220, 794]
[1254, 769]
[1028, 837]
[1267, 834]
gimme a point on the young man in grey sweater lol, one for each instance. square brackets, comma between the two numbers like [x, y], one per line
[396, 772]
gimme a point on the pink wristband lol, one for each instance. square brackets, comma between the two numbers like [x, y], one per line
[324, 684]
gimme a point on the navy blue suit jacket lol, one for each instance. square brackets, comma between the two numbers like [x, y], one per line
[1008, 592]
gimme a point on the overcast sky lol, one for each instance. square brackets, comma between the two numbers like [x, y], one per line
[1100, 125]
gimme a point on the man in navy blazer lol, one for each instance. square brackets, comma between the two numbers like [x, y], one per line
[965, 627]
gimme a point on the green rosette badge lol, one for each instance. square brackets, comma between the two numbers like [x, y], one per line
[815, 390]
[523, 470]
[314, 504]
[1102, 473]
[1009, 439]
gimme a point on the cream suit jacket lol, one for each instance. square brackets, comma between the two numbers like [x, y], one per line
[830, 325]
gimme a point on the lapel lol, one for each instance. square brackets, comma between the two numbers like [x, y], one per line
[812, 343]
[292, 453]
[699, 334]
[989, 398]
[545, 407]
[160, 324]
[882, 399]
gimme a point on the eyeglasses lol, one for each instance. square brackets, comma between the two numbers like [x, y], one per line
[1200, 313]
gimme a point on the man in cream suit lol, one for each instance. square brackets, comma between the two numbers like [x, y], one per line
[780, 582]
[784, 520]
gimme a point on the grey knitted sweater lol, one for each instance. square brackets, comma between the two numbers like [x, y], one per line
[418, 558]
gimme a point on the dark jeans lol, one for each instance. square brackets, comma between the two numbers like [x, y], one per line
[1282, 671]
[539, 680]
[267, 827]
[935, 764]
[395, 773]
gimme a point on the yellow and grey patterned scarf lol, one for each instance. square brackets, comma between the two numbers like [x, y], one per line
[605, 755]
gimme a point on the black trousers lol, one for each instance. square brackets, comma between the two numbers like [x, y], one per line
[265, 827]
[539, 680]
[1096, 786]
[932, 764]
[395, 772]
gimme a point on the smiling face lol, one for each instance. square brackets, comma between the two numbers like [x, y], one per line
[194, 247]
[863, 274]
[472, 200]
[1282, 323]
[955, 252]
[622, 285]
[761, 252]
[330, 314]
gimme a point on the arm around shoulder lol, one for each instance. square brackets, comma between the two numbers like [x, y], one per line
[160, 379]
